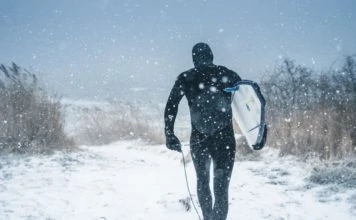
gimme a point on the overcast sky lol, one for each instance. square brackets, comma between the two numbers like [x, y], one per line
[125, 48]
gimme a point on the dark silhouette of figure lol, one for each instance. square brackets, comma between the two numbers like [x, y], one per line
[212, 135]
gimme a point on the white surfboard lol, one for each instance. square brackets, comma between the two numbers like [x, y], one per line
[248, 107]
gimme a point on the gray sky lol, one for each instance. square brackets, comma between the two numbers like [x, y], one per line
[128, 48]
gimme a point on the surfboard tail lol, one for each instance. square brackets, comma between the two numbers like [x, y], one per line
[262, 138]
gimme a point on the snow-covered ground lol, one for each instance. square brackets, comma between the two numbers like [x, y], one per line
[131, 180]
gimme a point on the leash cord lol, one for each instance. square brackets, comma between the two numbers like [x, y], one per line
[186, 180]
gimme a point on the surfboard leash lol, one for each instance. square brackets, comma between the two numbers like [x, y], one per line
[187, 182]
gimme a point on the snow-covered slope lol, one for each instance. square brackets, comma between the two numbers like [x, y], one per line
[130, 180]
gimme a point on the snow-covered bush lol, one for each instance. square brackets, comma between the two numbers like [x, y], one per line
[335, 172]
[30, 119]
[310, 113]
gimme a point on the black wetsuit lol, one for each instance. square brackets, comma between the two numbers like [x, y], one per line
[212, 137]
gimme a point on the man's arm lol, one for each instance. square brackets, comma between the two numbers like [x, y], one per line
[170, 114]
[233, 77]
[236, 77]
[171, 110]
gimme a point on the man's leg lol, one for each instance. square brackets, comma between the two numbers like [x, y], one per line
[221, 193]
[202, 160]
[223, 159]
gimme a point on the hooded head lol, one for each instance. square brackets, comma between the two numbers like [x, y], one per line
[202, 55]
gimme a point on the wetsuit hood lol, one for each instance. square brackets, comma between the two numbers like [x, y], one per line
[202, 55]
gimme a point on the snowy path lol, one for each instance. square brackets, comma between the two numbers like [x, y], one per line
[130, 181]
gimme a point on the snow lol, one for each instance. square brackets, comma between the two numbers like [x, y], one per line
[132, 180]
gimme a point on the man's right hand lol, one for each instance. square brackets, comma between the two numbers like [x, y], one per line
[173, 143]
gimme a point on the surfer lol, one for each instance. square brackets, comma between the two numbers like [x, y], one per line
[212, 136]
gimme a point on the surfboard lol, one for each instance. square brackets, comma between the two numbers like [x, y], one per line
[248, 109]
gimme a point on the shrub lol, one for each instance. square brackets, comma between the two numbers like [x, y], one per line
[30, 119]
[335, 172]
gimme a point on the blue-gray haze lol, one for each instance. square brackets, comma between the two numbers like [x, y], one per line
[129, 48]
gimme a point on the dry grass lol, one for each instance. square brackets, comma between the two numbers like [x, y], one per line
[311, 134]
[119, 121]
[30, 119]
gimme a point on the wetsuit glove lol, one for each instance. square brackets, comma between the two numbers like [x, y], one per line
[173, 143]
